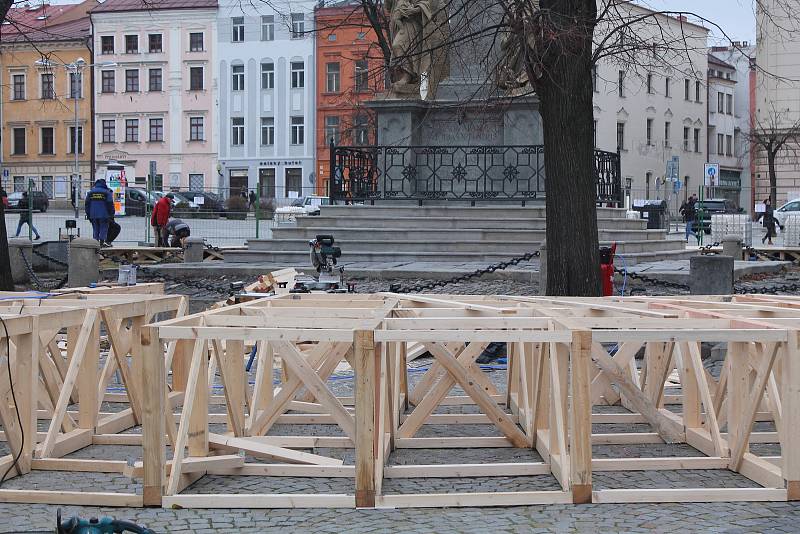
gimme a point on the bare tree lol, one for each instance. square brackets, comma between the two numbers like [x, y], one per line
[770, 135]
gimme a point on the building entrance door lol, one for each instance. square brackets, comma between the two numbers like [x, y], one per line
[238, 181]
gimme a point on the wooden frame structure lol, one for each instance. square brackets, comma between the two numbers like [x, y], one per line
[566, 356]
[55, 343]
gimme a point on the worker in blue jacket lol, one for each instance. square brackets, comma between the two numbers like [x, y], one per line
[100, 210]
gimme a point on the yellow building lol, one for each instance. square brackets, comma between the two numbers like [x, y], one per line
[38, 99]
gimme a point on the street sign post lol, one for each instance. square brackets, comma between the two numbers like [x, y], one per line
[711, 174]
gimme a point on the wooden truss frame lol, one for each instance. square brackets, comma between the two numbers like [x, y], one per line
[565, 356]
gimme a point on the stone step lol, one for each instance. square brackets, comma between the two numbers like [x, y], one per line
[405, 223]
[447, 247]
[353, 233]
[477, 212]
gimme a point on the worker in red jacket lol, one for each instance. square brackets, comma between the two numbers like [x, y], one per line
[160, 218]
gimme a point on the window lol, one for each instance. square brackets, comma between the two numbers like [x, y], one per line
[195, 78]
[298, 131]
[48, 141]
[620, 136]
[721, 102]
[75, 85]
[109, 132]
[267, 75]
[594, 133]
[685, 138]
[594, 80]
[267, 131]
[649, 132]
[667, 87]
[298, 75]
[131, 44]
[332, 130]
[621, 83]
[156, 130]
[720, 144]
[729, 104]
[649, 83]
[237, 135]
[686, 89]
[667, 142]
[332, 37]
[107, 81]
[362, 75]
[238, 29]
[298, 25]
[107, 44]
[697, 91]
[19, 184]
[332, 71]
[155, 43]
[268, 28]
[131, 130]
[18, 81]
[729, 145]
[294, 181]
[238, 77]
[361, 130]
[47, 186]
[196, 129]
[196, 42]
[132, 80]
[48, 91]
[266, 182]
[697, 139]
[155, 80]
[72, 139]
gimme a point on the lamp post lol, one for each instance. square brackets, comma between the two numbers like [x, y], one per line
[75, 68]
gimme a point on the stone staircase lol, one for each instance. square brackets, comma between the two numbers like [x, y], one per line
[406, 234]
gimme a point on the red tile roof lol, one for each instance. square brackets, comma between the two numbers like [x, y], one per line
[47, 23]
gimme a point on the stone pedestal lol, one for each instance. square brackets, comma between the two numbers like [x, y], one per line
[711, 275]
[732, 246]
[18, 246]
[193, 253]
[84, 262]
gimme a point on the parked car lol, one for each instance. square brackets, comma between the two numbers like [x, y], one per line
[714, 206]
[305, 206]
[791, 207]
[136, 201]
[211, 202]
[40, 201]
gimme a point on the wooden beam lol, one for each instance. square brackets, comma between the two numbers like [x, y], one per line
[153, 418]
[364, 355]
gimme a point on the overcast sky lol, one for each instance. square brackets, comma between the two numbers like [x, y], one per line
[734, 16]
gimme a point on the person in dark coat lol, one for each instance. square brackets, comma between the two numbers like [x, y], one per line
[252, 200]
[689, 212]
[178, 232]
[25, 216]
[160, 218]
[769, 221]
[99, 207]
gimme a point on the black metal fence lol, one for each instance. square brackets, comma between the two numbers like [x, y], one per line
[456, 173]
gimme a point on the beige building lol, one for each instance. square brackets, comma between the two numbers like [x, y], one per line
[37, 101]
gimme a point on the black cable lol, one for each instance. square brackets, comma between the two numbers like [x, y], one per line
[15, 463]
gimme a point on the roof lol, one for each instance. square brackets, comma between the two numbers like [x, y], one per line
[47, 23]
[68, 31]
[714, 60]
[119, 6]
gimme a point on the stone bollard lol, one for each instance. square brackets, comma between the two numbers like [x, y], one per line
[543, 267]
[711, 275]
[18, 246]
[84, 262]
[732, 246]
[193, 253]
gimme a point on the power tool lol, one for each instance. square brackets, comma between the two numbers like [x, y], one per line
[324, 256]
[94, 525]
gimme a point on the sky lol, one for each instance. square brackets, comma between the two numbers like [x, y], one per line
[735, 17]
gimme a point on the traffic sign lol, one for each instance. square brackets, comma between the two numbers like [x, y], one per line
[711, 174]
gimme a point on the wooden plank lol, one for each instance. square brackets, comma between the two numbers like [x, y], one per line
[266, 450]
[659, 464]
[580, 447]
[610, 496]
[466, 470]
[153, 418]
[364, 356]
[453, 443]
[76, 498]
[705, 396]
[287, 470]
[78, 465]
[790, 399]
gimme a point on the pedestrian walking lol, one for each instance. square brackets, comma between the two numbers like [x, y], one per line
[26, 216]
[99, 208]
[768, 221]
[252, 200]
[160, 218]
[689, 212]
[4, 197]
[178, 231]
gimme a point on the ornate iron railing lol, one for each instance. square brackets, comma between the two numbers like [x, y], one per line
[458, 173]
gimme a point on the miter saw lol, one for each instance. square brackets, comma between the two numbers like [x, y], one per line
[324, 256]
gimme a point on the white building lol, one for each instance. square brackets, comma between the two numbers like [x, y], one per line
[267, 97]
[654, 108]
[729, 73]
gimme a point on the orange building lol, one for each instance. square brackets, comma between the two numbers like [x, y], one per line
[349, 72]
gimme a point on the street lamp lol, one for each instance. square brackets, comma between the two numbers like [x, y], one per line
[76, 68]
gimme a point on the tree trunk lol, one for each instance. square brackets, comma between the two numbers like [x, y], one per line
[565, 90]
[773, 176]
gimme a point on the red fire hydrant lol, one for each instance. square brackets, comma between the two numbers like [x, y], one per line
[607, 269]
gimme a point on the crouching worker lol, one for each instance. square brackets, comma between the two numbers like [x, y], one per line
[178, 231]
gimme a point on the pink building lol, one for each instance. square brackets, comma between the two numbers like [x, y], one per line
[159, 102]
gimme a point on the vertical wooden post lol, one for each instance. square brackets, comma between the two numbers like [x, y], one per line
[198, 421]
[88, 378]
[689, 389]
[27, 382]
[72, 339]
[790, 448]
[236, 383]
[738, 362]
[364, 356]
[153, 442]
[404, 373]
[580, 433]
[180, 363]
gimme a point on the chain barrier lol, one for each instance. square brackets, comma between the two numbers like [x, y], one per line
[396, 288]
[38, 284]
[49, 258]
[652, 281]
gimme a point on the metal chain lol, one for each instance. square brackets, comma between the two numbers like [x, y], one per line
[468, 276]
[154, 275]
[653, 281]
[37, 282]
[48, 257]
